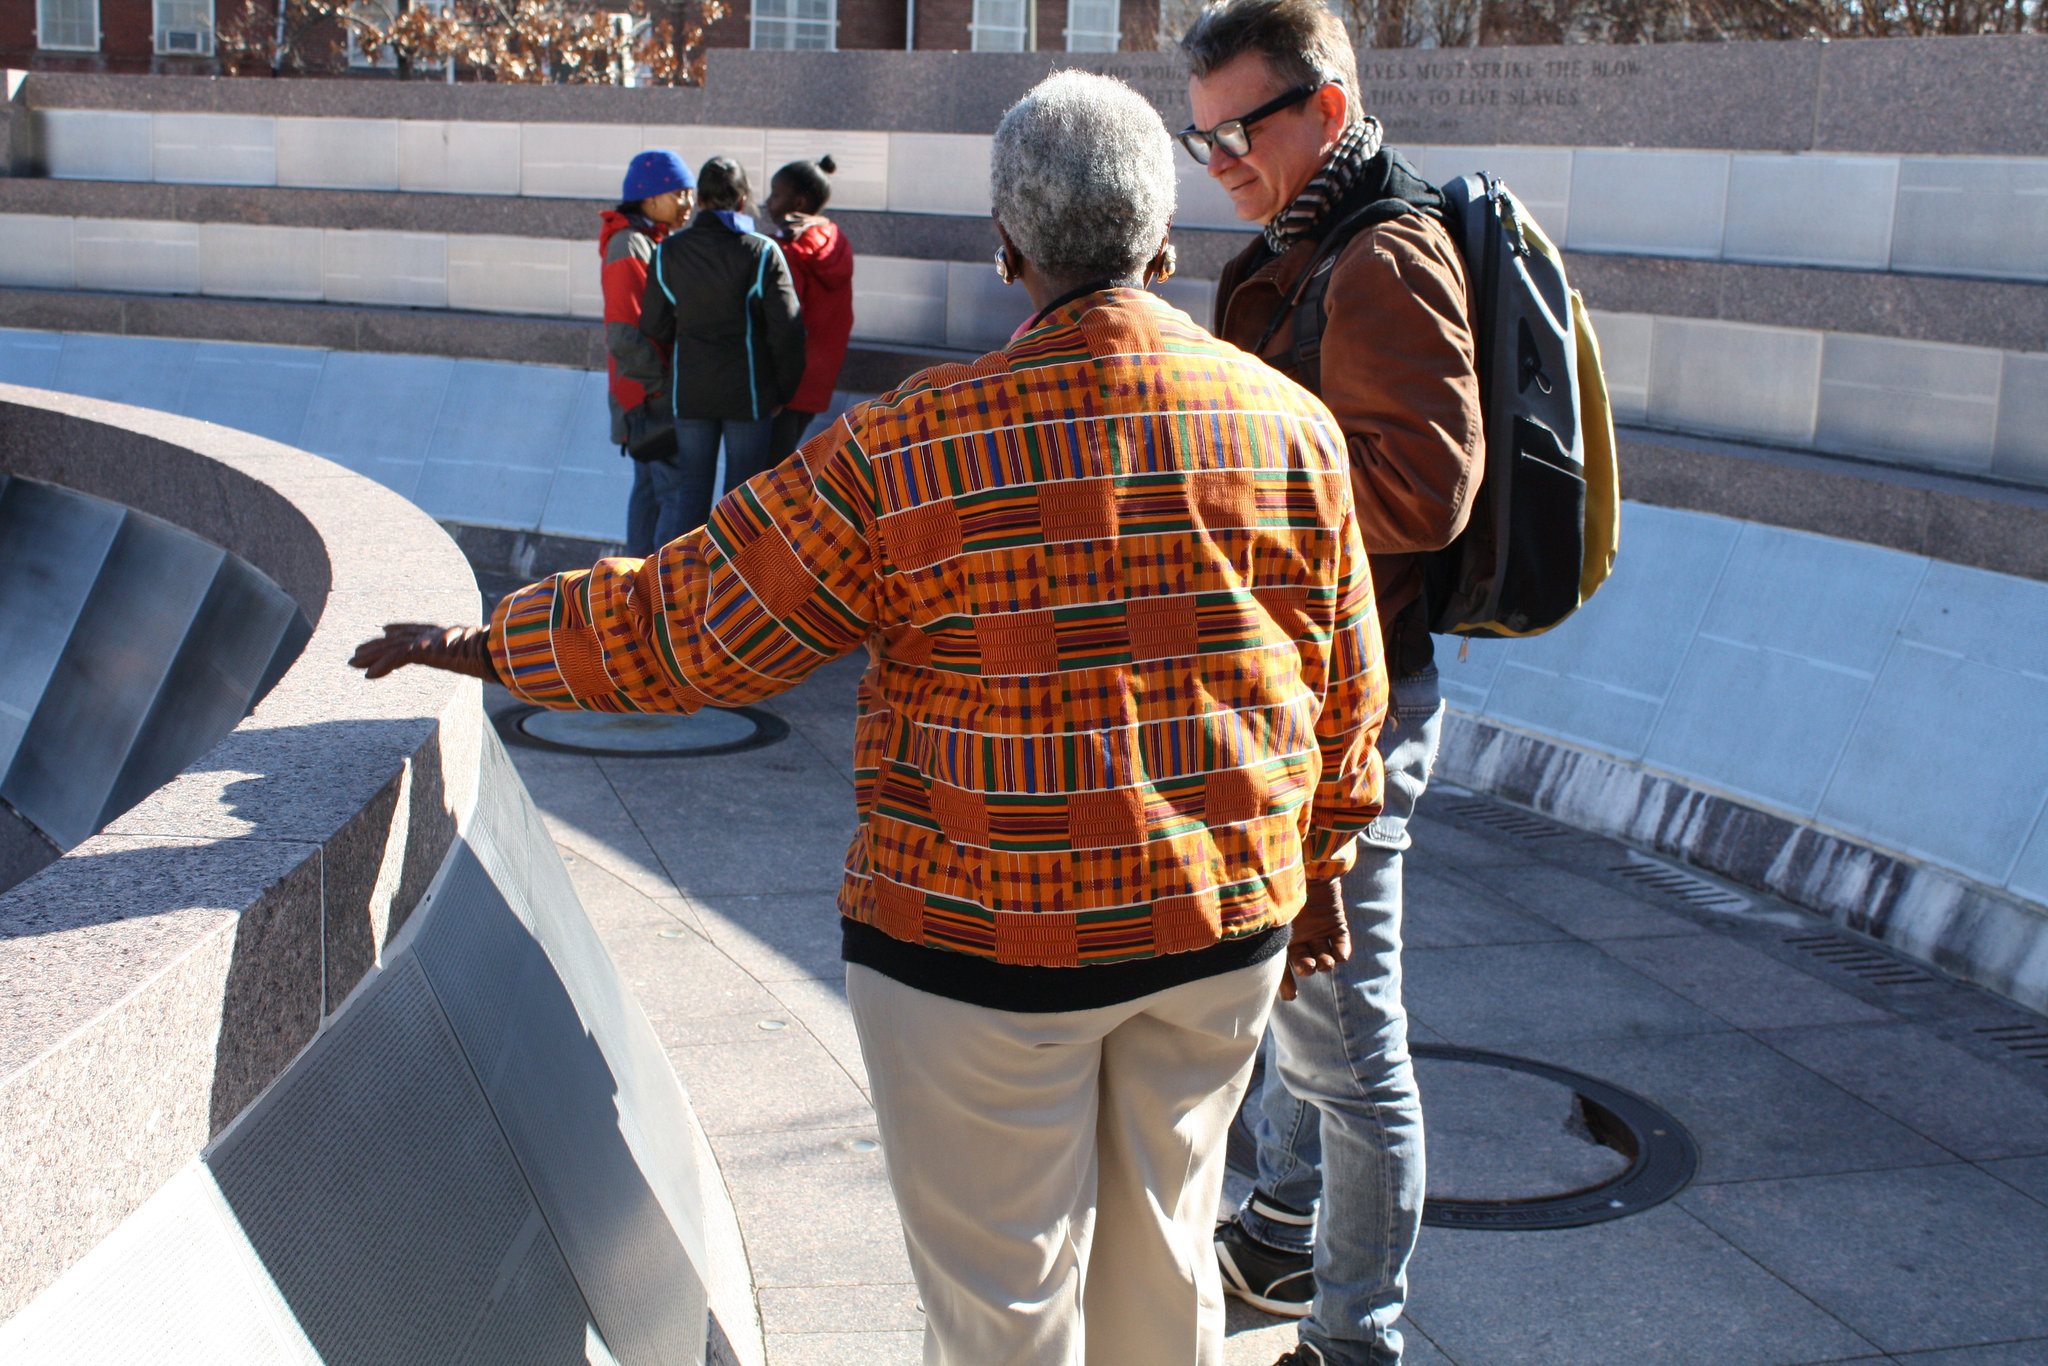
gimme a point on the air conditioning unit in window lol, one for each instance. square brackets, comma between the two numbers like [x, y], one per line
[187, 41]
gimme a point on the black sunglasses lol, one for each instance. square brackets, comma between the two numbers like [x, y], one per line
[1235, 135]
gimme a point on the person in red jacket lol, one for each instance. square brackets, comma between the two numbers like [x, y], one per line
[657, 195]
[821, 262]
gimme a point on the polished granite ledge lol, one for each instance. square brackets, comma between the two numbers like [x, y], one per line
[918, 236]
[155, 979]
[575, 343]
[367, 210]
[1972, 521]
[871, 367]
[1975, 522]
[1969, 522]
[2008, 315]
[2005, 315]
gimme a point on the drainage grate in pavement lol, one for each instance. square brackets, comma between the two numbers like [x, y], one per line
[1507, 820]
[1661, 1155]
[1858, 959]
[2030, 1041]
[1694, 891]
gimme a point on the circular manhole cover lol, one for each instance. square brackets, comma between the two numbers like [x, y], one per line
[1516, 1144]
[713, 730]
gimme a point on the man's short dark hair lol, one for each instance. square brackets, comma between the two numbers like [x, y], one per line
[1301, 40]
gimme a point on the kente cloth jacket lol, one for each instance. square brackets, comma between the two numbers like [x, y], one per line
[1124, 678]
[821, 260]
[721, 306]
[1398, 371]
[625, 244]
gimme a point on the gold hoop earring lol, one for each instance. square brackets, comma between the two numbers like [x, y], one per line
[1004, 270]
[1165, 263]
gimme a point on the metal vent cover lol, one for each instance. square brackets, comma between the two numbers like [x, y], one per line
[1659, 876]
[2030, 1041]
[1506, 819]
[376, 1186]
[1859, 960]
[536, 1317]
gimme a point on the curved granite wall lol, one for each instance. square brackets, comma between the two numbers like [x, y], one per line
[311, 1055]
[1852, 727]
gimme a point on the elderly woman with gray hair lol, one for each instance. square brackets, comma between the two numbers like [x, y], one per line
[1116, 737]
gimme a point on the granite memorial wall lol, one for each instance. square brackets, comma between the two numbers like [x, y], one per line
[1782, 221]
[1833, 255]
[308, 1053]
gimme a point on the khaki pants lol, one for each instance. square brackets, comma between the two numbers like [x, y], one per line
[1058, 1173]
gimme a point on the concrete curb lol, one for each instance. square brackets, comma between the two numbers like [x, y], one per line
[1964, 928]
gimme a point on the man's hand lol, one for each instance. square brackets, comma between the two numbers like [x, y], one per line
[1321, 939]
[458, 649]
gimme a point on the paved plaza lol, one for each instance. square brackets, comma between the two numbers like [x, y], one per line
[1873, 1181]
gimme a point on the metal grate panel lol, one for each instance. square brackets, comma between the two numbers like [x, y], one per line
[548, 1070]
[538, 1317]
[1506, 819]
[652, 1107]
[1859, 960]
[375, 1184]
[173, 1285]
[475, 952]
[2029, 1041]
[1694, 891]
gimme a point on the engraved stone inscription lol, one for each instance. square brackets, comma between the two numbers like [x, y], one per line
[1434, 81]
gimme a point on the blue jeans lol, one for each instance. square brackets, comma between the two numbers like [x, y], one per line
[697, 440]
[1339, 1123]
[655, 483]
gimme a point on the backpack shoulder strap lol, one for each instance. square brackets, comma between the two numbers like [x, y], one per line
[1305, 355]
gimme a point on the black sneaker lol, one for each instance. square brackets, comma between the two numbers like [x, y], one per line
[1267, 1278]
[1303, 1355]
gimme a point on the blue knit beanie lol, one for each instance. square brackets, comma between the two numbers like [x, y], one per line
[655, 173]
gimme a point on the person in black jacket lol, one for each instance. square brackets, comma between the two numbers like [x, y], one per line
[721, 303]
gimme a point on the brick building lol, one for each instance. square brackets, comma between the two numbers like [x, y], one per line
[178, 36]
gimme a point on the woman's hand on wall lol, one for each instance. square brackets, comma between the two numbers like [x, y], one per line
[458, 649]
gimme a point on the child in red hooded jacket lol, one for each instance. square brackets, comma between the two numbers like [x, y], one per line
[821, 263]
[657, 195]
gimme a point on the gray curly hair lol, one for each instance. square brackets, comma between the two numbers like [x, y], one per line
[1082, 177]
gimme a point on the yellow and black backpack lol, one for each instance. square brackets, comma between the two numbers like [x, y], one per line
[1545, 524]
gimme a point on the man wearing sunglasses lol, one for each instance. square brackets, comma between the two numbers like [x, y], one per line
[1328, 1226]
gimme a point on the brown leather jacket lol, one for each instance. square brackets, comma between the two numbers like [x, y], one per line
[1398, 373]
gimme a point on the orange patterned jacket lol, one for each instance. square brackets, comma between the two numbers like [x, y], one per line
[1125, 679]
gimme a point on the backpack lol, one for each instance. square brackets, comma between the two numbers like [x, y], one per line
[1544, 523]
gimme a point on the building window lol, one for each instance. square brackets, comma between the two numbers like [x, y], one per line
[1092, 26]
[799, 25]
[68, 25]
[184, 28]
[381, 15]
[1003, 25]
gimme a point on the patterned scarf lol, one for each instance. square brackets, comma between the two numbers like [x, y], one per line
[1359, 145]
